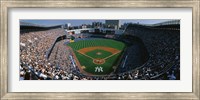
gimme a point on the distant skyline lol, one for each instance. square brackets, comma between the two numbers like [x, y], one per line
[77, 22]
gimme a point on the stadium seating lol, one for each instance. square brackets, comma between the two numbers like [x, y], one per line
[156, 55]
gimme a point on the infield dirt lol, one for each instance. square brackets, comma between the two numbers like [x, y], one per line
[109, 49]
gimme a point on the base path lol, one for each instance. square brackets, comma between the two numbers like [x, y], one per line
[98, 61]
[78, 63]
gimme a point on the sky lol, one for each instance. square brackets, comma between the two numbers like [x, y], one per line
[77, 22]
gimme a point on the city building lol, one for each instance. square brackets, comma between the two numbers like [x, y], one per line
[97, 24]
[114, 24]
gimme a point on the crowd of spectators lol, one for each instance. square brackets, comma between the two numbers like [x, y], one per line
[164, 52]
[33, 48]
[163, 62]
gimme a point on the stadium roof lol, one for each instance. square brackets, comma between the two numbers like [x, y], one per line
[34, 25]
[171, 22]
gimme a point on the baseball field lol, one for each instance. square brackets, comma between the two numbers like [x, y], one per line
[97, 56]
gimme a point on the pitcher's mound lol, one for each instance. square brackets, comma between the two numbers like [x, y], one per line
[98, 53]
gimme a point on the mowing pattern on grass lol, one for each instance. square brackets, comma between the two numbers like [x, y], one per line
[97, 56]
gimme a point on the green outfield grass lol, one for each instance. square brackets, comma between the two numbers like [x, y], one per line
[87, 62]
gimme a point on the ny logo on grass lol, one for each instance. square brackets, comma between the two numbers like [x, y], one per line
[98, 69]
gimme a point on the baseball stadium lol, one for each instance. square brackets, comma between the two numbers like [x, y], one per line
[101, 50]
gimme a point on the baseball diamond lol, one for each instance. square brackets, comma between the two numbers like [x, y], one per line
[97, 53]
